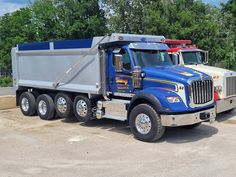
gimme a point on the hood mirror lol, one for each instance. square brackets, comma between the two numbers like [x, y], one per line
[206, 57]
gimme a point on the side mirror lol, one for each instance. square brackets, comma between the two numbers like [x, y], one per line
[118, 63]
[206, 57]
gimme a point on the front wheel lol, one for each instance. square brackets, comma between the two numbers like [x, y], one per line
[145, 123]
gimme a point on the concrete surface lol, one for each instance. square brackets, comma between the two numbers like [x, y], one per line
[60, 148]
[6, 91]
[7, 98]
[7, 102]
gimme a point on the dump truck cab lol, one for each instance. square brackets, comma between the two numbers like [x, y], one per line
[183, 53]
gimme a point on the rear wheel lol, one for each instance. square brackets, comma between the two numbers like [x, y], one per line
[82, 108]
[27, 104]
[145, 123]
[63, 105]
[45, 107]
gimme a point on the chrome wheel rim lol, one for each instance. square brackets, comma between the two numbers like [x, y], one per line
[42, 107]
[81, 108]
[143, 123]
[61, 105]
[25, 104]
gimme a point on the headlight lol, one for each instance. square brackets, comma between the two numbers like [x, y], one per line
[218, 88]
[173, 99]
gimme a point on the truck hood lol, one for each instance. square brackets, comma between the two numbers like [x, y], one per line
[174, 73]
[219, 75]
[212, 71]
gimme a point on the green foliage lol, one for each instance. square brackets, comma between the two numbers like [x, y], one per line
[5, 81]
[126, 16]
[211, 28]
[14, 29]
[47, 20]
[67, 19]
[205, 25]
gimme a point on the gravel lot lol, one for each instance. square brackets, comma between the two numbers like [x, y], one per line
[33, 147]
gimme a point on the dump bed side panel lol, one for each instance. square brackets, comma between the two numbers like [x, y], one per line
[42, 68]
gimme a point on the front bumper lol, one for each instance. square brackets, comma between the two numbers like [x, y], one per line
[189, 118]
[225, 104]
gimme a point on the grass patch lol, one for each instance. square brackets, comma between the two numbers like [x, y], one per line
[5, 81]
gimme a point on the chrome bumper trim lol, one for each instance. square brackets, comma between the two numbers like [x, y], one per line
[187, 119]
[225, 104]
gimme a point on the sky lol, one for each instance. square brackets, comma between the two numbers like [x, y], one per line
[7, 6]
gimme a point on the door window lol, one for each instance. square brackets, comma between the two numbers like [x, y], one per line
[125, 59]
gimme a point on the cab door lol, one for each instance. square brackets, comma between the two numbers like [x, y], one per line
[120, 82]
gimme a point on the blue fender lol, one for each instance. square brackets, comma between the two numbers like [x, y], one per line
[157, 98]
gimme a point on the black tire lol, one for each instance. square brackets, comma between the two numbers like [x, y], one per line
[50, 111]
[156, 131]
[87, 114]
[191, 126]
[27, 97]
[63, 99]
[36, 94]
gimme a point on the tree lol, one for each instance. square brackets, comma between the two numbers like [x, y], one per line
[47, 20]
[175, 19]
[14, 28]
[68, 19]
[126, 16]
[229, 14]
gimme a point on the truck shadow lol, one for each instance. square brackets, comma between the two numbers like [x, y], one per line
[172, 135]
[179, 135]
[225, 116]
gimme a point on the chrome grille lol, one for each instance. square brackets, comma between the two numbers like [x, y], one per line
[202, 91]
[230, 86]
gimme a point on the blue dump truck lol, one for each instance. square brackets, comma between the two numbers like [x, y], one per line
[124, 77]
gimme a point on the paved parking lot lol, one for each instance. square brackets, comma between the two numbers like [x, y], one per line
[33, 147]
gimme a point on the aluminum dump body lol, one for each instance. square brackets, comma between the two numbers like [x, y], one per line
[75, 64]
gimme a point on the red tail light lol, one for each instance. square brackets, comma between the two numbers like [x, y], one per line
[216, 96]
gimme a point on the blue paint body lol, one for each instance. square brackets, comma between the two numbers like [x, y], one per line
[67, 44]
[73, 44]
[160, 90]
[34, 46]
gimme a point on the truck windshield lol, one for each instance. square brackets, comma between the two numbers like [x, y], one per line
[192, 58]
[151, 58]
